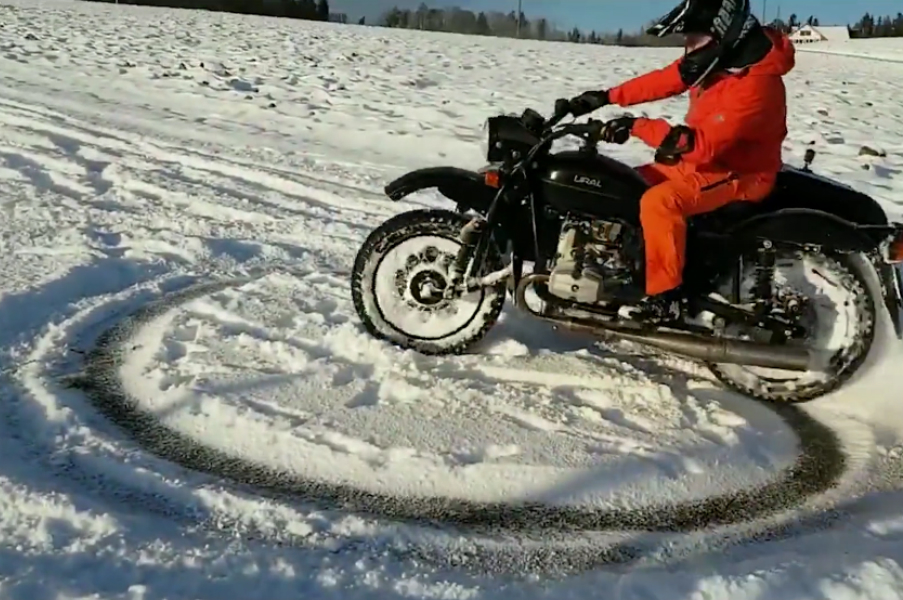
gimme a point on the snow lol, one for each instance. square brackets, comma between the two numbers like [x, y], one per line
[879, 49]
[144, 151]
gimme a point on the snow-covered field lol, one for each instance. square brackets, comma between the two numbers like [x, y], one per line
[880, 49]
[144, 151]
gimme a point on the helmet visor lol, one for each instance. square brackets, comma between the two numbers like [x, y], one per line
[673, 22]
[695, 41]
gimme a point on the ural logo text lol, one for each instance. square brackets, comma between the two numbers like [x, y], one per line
[588, 181]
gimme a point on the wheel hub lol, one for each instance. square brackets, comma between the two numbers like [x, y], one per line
[427, 286]
[423, 279]
[798, 309]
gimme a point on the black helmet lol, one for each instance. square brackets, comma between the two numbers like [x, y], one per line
[728, 22]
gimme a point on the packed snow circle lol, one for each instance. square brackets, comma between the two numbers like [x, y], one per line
[192, 408]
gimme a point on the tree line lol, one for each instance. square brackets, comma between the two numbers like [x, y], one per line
[793, 22]
[870, 27]
[511, 24]
[311, 10]
[494, 23]
[500, 24]
[867, 27]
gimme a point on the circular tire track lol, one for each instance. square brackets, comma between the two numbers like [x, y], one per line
[818, 468]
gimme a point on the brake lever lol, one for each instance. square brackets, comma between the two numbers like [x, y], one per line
[565, 129]
[590, 131]
[595, 129]
[562, 109]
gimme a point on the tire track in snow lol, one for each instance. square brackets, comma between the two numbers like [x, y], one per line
[107, 226]
[336, 179]
[133, 167]
[819, 466]
[843, 54]
[97, 183]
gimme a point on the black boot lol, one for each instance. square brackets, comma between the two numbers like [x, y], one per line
[661, 308]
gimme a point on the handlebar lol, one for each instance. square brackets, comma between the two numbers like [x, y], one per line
[592, 129]
[562, 109]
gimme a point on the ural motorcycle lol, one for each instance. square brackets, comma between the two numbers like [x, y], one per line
[777, 302]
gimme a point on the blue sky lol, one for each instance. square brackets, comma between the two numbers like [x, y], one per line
[610, 15]
[615, 14]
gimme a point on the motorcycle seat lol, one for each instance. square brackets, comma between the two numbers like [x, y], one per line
[731, 214]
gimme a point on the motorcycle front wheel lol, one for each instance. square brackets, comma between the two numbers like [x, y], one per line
[398, 278]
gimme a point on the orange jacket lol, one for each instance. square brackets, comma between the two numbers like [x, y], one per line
[739, 119]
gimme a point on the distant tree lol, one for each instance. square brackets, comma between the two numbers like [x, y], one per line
[542, 29]
[866, 26]
[523, 25]
[307, 9]
[883, 26]
[435, 19]
[423, 12]
[323, 10]
[293, 9]
[392, 18]
[482, 27]
[460, 21]
[499, 24]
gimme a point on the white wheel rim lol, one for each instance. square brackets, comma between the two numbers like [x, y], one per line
[401, 310]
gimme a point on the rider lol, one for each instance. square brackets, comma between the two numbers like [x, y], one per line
[730, 147]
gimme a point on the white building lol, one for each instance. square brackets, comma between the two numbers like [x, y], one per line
[809, 33]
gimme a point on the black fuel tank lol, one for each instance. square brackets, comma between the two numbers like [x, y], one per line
[591, 184]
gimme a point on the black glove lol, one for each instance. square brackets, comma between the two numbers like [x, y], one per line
[679, 141]
[617, 131]
[587, 102]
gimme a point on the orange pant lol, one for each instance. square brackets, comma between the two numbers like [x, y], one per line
[679, 192]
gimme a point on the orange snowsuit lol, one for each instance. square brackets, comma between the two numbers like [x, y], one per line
[739, 120]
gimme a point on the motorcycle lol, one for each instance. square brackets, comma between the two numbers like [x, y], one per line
[776, 301]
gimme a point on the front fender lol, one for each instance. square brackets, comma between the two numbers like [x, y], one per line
[804, 226]
[467, 189]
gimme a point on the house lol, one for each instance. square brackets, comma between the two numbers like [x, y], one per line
[812, 33]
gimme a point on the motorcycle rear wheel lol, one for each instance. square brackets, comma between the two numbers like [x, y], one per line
[839, 312]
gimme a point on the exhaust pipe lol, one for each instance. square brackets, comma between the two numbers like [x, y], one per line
[708, 349]
[716, 350]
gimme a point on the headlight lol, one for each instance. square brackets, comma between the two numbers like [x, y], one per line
[507, 136]
[484, 143]
[492, 143]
